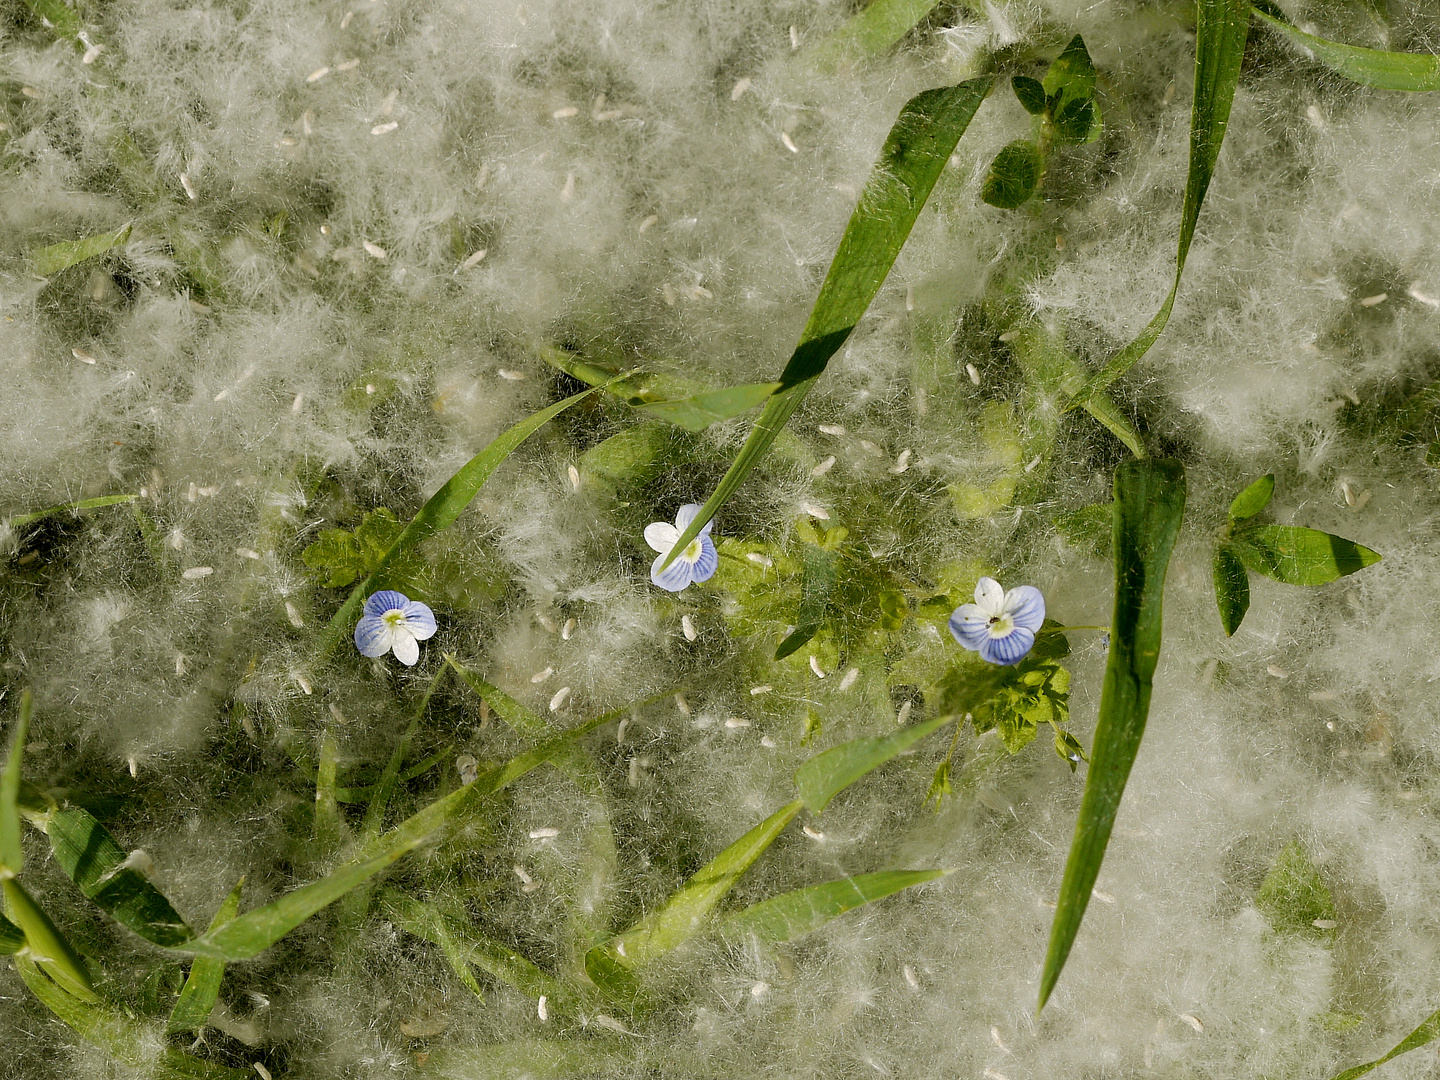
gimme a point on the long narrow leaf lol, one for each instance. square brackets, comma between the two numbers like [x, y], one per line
[698, 412]
[1414, 72]
[45, 944]
[56, 257]
[202, 987]
[12, 938]
[1220, 33]
[817, 582]
[441, 510]
[1149, 502]
[609, 965]
[914, 154]
[375, 812]
[826, 775]
[71, 507]
[12, 855]
[794, 914]
[1426, 1032]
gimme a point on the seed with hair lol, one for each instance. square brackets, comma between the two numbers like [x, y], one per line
[815, 511]
[737, 722]
[815, 667]
[789, 142]
[824, 466]
[542, 1009]
[195, 573]
[544, 834]
[293, 614]
[756, 691]
[1372, 301]
[974, 373]
[650, 220]
[468, 768]
[832, 429]
[1192, 1021]
[247, 553]
[317, 74]
[901, 463]
[474, 258]
[375, 251]
[558, 701]
[738, 90]
[347, 65]
[574, 474]
[511, 376]
[189, 186]
[687, 626]
[566, 112]
[568, 630]
[812, 832]
[849, 679]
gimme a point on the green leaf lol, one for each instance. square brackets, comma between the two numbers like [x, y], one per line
[12, 855]
[56, 257]
[1232, 589]
[609, 964]
[635, 455]
[202, 987]
[826, 775]
[1013, 175]
[1030, 93]
[440, 512]
[61, 19]
[816, 586]
[1299, 556]
[1220, 33]
[795, 914]
[1415, 72]
[914, 155]
[1426, 1032]
[699, 412]
[880, 24]
[1253, 499]
[1068, 748]
[1293, 896]
[1149, 502]
[93, 860]
[72, 507]
[339, 556]
[385, 787]
[12, 938]
[1069, 88]
[45, 944]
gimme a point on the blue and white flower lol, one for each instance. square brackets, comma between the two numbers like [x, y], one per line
[697, 562]
[393, 621]
[1000, 625]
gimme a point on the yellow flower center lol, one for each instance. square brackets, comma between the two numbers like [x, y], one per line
[692, 550]
[1001, 625]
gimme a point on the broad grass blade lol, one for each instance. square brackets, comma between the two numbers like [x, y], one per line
[71, 507]
[202, 987]
[93, 860]
[1415, 72]
[12, 938]
[914, 154]
[826, 775]
[609, 964]
[1423, 1034]
[794, 914]
[1149, 502]
[441, 511]
[1221, 29]
[56, 257]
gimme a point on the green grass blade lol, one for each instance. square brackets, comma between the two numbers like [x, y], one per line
[1253, 499]
[826, 775]
[1414, 72]
[56, 257]
[12, 938]
[45, 944]
[385, 787]
[1300, 556]
[93, 860]
[1423, 1034]
[1054, 369]
[794, 914]
[880, 24]
[610, 963]
[202, 987]
[1232, 589]
[1221, 29]
[12, 855]
[327, 808]
[441, 511]
[914, 154]
[72, 507]
[700, 411]
[817, 582]
[1149, 502]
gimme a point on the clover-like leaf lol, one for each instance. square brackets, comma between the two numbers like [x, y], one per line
[1014, 175]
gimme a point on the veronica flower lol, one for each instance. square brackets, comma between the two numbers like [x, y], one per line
[1000, 625]
[697, 562]
[393, 621]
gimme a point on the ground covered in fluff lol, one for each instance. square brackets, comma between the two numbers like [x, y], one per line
[348, 245]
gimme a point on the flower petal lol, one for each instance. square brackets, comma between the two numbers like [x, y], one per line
[708, 561]
[372, 636]
[419, 620]
[970, 626]
[989, 596]
[385, 600]
[676, 576]
[1026, 606]
[1010, 649]
[407, 649]
[685, 515]
[661, 536]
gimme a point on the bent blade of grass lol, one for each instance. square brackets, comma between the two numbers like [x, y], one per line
[1149, 502]
[827, 774]
[12, 938]
[385, 787]
[1411, 72]
[1423, 1034]
[45, 944]
[794, 914]
[12, 855]
[611, 963]
[1221, 30]
[441, 510]
[56, 257]
[72, 507]
[93, 860]
[914, 155]
[202, 986]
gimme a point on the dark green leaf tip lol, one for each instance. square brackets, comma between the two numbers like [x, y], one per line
[1014, 175]
[1232, 589]
[1030, 93]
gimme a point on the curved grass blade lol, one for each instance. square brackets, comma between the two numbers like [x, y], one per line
[914, 154]
[12, 938]
[1423, 1034]
[385, 787]
[826, 775]
[817, 582]
[72, 507]
[1221, 29]
[202, 987]
[1300, 556]
[56, 257]
[12, 855]
[93, 860]
[441, 510]
[611, 963]
[794, 914]
[45, 944]
[698, 412]
[873, 30]
[1413, 72]
[1149, 502]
